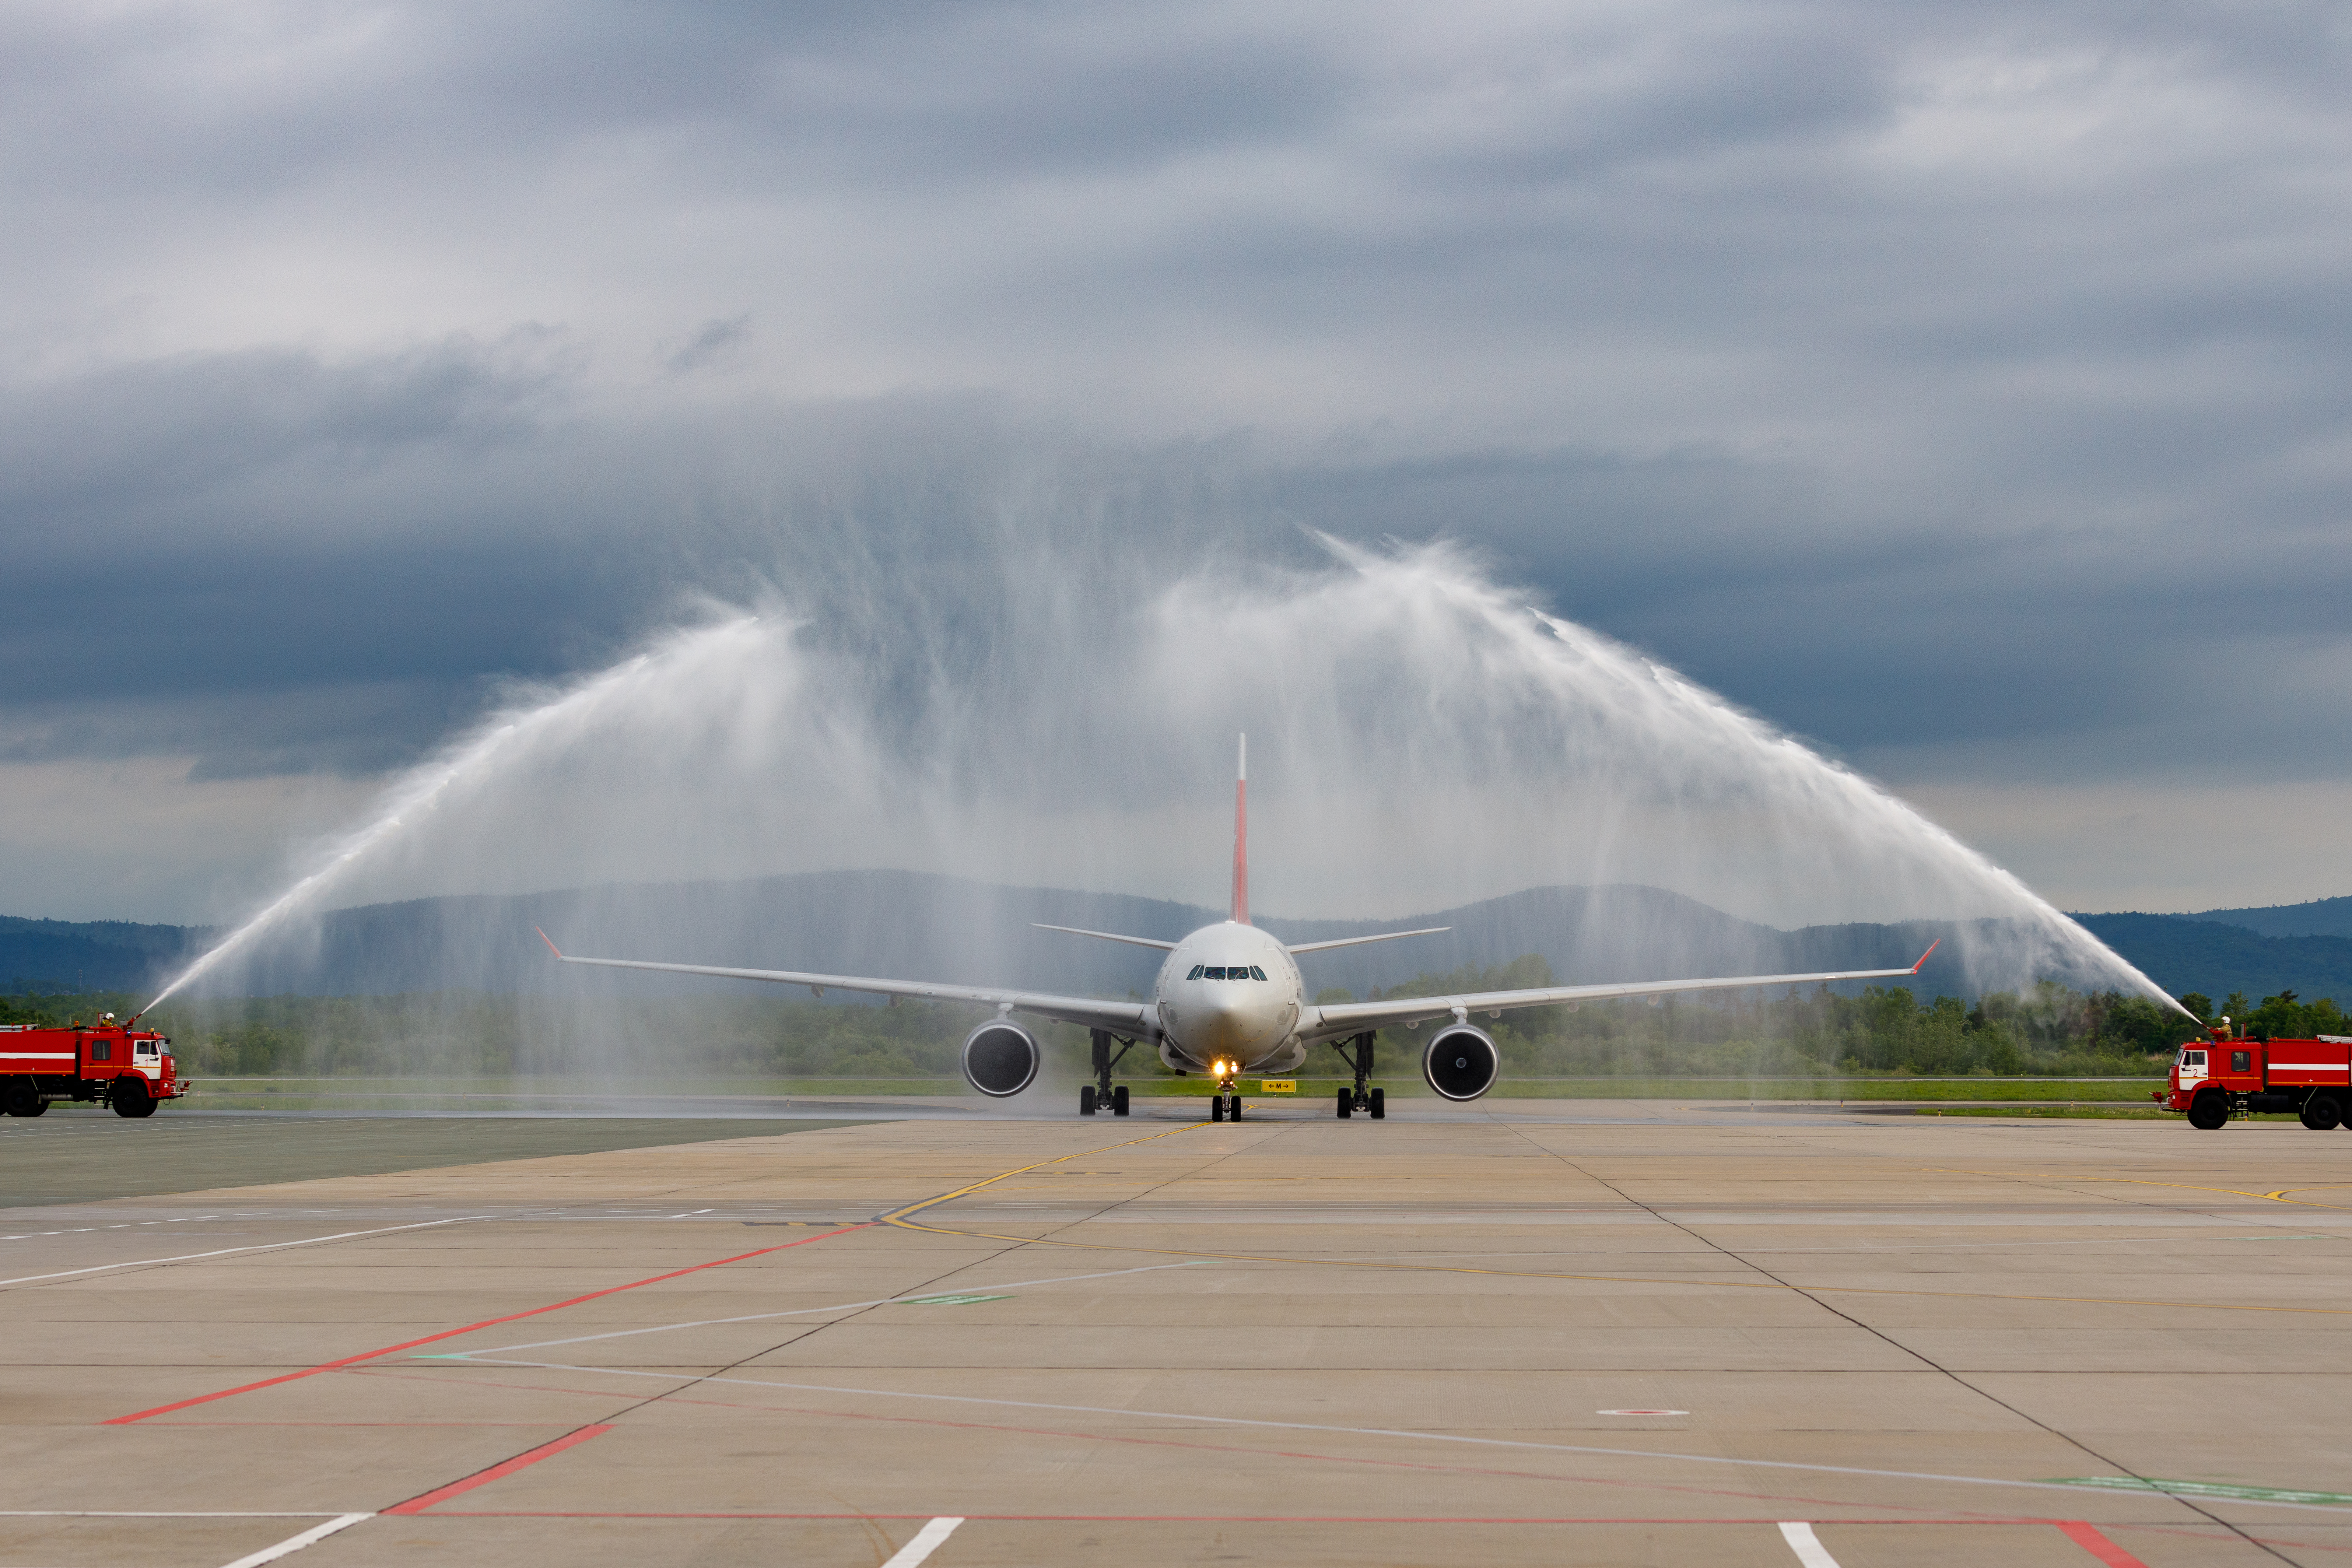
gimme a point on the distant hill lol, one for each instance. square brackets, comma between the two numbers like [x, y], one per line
[2321, 917]
[92, 956]
[908, 924]
[2184, 954]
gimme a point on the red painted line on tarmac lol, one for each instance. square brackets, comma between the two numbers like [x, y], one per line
[471, 1328]
[484, 1478]
[1958, 1516]
[2088, 1538]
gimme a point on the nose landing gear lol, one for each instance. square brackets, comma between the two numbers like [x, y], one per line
[1374, 1102]
[1225, 1105]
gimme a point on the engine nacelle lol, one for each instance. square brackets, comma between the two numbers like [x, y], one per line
[1000, 1058]
[1461, 1063]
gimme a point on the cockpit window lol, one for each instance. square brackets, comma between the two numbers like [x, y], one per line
[1197, 970]
[1215, 971]
[2192, 1059]
[1255, 973]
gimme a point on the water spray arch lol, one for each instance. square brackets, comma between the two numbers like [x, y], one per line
[1422, 732]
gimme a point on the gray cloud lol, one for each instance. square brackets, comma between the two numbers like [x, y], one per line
[1964, 386]
[711, 342]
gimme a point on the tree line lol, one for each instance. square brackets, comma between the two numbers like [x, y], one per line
[2046, 1029]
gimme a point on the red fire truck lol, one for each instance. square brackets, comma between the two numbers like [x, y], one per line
[107, 1063]
[2246, 1073]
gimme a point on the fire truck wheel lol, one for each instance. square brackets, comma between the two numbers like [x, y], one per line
[2209, 1110]
[131, 1098]
[24, 1099]
[2320, 1112]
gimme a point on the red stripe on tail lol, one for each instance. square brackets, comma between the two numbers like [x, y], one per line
[1241, 838]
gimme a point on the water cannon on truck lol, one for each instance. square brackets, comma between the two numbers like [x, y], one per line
[2236, 1075]
[107, 1063]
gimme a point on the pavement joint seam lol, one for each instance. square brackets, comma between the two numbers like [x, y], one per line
[1921, 1356]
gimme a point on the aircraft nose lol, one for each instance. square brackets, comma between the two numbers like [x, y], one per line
[1232, 1021]
[1219, 1019]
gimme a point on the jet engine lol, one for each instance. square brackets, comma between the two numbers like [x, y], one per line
[1000, 1058]
[1461, 1062]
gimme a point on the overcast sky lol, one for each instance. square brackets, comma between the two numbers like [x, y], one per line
[1963, 387]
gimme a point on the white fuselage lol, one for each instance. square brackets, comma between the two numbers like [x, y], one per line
[1230, 992]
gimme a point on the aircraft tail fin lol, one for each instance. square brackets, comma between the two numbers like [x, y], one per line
[1241, 836]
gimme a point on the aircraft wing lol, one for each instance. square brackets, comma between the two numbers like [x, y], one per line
[1130, 1019]
[1354, 1017]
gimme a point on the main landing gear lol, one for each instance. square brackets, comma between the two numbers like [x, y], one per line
[1099, 1095]
[1375, 1102]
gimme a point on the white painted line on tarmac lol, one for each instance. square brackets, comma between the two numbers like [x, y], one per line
[225, 1251]
[927, 1540]
[155, 1513]
[1809, 1551]
[293, 1544]
[477, 1359]
[805, 1311]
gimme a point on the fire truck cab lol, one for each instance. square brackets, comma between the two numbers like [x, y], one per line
[107, 1063]
[2230, 1074]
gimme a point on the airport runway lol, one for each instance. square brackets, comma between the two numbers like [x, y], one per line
[1636, 1336]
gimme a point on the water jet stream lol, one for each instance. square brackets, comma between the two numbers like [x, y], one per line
[1062, 716]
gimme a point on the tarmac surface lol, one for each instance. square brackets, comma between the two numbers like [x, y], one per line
[1541, 1332]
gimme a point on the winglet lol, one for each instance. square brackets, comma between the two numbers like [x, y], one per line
[551, 942]
[1240, 837]
[1923, 957]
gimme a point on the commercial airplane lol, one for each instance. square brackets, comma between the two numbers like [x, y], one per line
[1230, 1000]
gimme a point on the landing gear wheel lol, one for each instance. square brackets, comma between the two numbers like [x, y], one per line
[2321, 1113]
[1216, 1107]
[1233, 1107]
[1086, 1100]
[1380, 1105]
[131, 1098]
[2209, 1110]
[1347, 1105]
[24, 1099]
[1118, 1100]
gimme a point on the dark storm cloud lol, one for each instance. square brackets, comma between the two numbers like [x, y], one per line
[922, 94]
[141, 444]
[278, 563]
[1865, 630]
